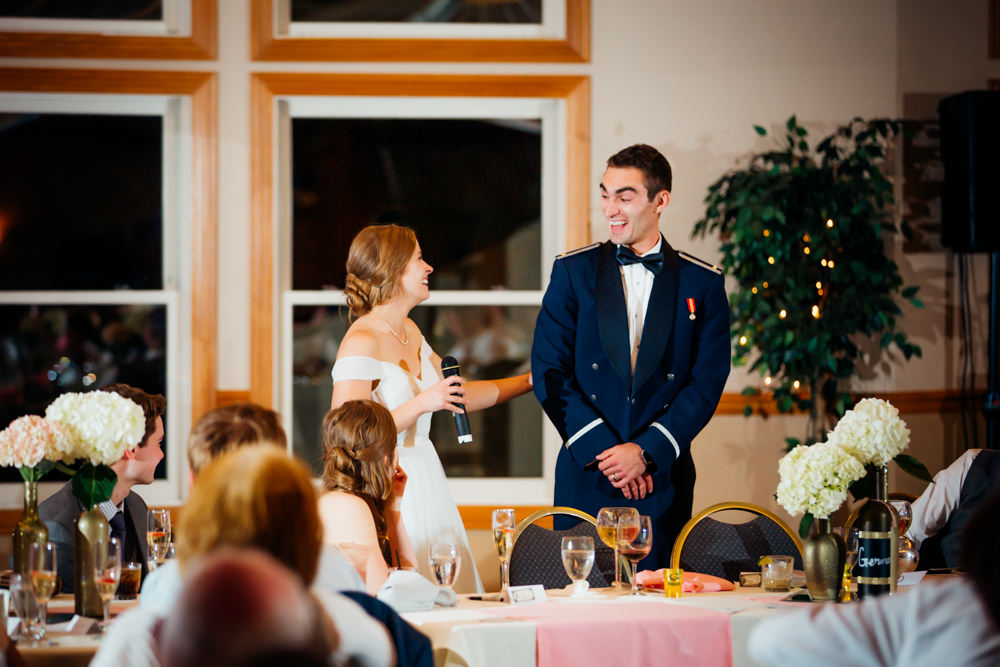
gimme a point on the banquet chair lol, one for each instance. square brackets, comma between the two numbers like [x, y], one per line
[710, 545]
[536, 556]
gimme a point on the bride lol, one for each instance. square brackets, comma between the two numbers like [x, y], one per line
[384, 357]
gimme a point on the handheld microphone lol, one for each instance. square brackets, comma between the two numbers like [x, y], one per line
[449, 368]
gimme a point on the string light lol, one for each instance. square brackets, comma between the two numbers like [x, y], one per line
[805, 238]
[795, 385]
[815, 312]
[767, 380]
[829, 223]
[823, 262]
[806, 250]
[767, 232]
[820, 292]
[754, 289]
[783, 313]
[743, 340]
[770, 260]
[829, 264]
[765, 284]
[819, 285]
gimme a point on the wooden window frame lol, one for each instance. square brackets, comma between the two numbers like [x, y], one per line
[201, 44]
[575, 47]
[202, 88]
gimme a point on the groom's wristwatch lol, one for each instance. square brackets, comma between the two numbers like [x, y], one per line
[648, 460]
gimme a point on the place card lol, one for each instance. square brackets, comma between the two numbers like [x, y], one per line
[519, 595]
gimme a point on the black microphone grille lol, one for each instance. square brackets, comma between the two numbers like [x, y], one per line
[449, 363]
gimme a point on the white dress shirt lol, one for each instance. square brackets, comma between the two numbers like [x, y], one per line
[940, 499]
[638, 283]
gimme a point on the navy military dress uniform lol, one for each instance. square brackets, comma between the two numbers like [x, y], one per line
[583, 378]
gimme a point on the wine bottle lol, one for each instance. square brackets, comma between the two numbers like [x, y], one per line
[878, 549]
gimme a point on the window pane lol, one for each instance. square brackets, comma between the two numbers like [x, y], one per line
[48, 350]
[428, 11]
[471, 189]
[80, 202]
[489, 342]
[133, 10]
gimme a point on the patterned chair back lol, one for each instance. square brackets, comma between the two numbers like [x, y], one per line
[536, 557]
[724, 549]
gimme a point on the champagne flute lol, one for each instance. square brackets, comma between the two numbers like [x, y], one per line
[635, 538]
[26, 607]
[578, 559]
[107, 572]
[158, 536]
[503, 539]
[445, 563]
[607, 530]
[42, 560]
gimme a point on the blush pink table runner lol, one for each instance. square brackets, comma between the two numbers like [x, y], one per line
[644, 632]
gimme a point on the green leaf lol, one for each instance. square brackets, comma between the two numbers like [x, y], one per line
[749, 391]
[791, 443]
[93, 484]
[911, 466]
[909, 292]
[805, 525]
[917, 303]
[760, 130]
[747, 411]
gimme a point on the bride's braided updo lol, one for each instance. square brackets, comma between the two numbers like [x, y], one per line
[378, 256]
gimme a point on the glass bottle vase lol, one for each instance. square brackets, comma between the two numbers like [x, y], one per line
[29, 528]
[824, 555]
[90, 530]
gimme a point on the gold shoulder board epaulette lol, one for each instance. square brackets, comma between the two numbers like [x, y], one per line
[700, 262]
[570, 253]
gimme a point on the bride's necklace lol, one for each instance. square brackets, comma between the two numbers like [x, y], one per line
[405, 340]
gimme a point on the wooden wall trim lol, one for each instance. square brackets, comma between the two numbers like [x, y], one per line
[264, 45]
[223, 398]
[200, 45]
[265, 86]
[202, 89]
[480, 517]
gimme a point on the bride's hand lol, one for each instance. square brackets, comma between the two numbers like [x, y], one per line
[448, 394]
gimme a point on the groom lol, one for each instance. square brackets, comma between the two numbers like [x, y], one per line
[630, 356]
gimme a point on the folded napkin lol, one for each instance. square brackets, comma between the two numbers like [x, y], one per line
[406, 590]
[694, 582]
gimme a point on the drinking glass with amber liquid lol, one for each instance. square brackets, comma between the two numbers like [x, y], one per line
[42, 565]
[107, 572]
[503, 540]
[635, 539]
[607, 530]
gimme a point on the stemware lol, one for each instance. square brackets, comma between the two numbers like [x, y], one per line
[107, 572]
[445, 563]
[904, 511]
[503, 539]
[158, 536]
[42, 565]
[26, 607]
[578, 559]
[635, 539]
[607, 530]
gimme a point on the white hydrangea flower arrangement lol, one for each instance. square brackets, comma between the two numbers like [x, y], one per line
[872, 432]
[102, 425]
[815, 479]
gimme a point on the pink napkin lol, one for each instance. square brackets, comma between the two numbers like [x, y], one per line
[694, 582]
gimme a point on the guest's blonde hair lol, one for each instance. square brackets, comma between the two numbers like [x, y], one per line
[359, 440]
[378, 256]
[254, 497]
[224, 429]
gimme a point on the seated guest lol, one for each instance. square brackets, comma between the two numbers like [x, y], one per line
[256, 497]
[126, 511]
[941, 511]
[223, 430]
[240, 608]
[364, 483]
[950, 622]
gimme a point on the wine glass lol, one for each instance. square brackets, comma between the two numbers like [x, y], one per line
[851, 546]
[635, 539]
[607, 530]
[578, 559]
[42, 565]
[158, 536]
[445, 563]
[904, 512]
[26, 606]
[107, 572]
[503, 539]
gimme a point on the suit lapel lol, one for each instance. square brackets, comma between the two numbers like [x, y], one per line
[612, 318]
[135, 514]
[658, 326]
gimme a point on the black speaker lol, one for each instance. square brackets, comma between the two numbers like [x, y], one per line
[970, 151]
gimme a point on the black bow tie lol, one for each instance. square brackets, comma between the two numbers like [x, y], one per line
[652, 261]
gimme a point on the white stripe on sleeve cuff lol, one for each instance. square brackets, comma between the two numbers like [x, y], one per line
[677, 449]
[583, 431]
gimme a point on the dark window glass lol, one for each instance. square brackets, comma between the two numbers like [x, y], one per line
[471, 189]
[48, 350]
[131, 10]
[489, 342]
[421, 11]
[80, 202]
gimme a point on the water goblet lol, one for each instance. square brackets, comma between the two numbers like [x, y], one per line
[107, 572]
[445, 563]
[158, 536]
[42, 565]
[503, 540]
[607, 530]
[22, 596]
[635, 538]
[578, 559]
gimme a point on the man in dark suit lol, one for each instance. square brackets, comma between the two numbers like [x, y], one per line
[630, 356]
[126, 512]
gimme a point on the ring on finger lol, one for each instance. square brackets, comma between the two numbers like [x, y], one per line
[614, 476]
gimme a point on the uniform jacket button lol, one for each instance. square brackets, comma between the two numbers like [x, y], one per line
[633, 401]
[595, 366]
[593, 397]
[670, 377]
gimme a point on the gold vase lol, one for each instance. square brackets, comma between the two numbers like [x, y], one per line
[824, 556]
[29, 529]
[90, 533]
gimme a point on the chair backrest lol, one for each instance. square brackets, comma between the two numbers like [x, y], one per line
[709, 545]
[536, 557]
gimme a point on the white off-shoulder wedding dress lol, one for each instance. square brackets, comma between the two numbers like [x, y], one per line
[429, 510]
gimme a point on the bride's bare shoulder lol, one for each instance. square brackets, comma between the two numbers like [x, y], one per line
[360, 340]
